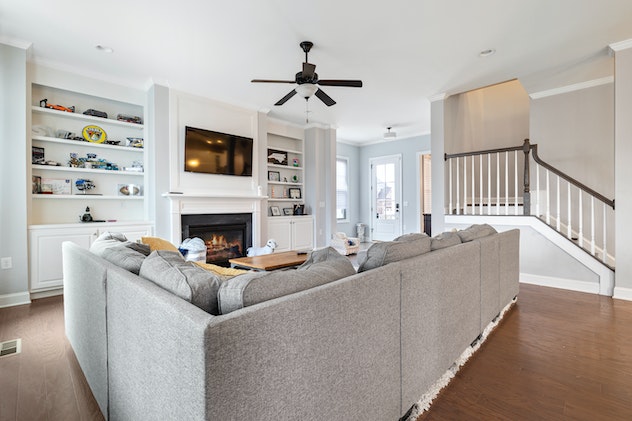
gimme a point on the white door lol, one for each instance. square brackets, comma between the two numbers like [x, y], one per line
[386, 193]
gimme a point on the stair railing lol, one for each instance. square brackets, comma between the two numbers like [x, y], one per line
[498, 182]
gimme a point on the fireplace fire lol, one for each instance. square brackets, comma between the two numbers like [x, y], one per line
[226, 236]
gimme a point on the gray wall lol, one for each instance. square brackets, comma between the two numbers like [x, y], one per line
[352, 153]
[408, 148]
[13, 170]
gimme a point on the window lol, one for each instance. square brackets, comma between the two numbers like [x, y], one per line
[342, 188]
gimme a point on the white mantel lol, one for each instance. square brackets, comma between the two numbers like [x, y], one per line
[195, 204]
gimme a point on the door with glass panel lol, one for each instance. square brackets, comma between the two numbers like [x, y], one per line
[386, 192]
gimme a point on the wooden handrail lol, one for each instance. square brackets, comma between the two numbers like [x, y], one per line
[459, 155]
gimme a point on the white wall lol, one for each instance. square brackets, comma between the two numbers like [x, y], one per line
[13, 174]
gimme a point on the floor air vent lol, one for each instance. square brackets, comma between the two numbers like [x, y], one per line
[11, 347]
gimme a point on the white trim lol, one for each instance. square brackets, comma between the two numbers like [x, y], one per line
[570, 88]
[621, 45]
[17, 299]
[622, 293]
[562, 283]
[47, 293]
[14, 42]
[605, 274]
[438, 97]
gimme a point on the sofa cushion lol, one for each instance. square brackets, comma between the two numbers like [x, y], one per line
[124, 256]
[321, 267]
[383, 253]
[475, 231]
[413, 236]
[169, 270]
[443, 240]
[106, 240]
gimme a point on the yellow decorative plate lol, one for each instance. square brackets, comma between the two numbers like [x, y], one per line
[94, 134]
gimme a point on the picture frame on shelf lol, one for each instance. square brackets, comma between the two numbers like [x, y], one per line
[56, 186]
[37, 184]
[275, 211]
[294, 192]
[129, 190]
[299, 210]
[274, 176]
[37, 155]
[287, 211]
[277, 157]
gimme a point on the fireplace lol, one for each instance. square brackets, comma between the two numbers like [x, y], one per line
[226, 235]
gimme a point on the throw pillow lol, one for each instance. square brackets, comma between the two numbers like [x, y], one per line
[157, 243]
[443, 240]
[476, 231]
[321, 267]
[169, 270]
[125, 257]
[380, 254]
[106, 240]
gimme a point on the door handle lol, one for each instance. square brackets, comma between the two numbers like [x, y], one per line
[377, 215]
[396, 207]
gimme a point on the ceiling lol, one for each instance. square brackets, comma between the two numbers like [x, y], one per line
[405, 51]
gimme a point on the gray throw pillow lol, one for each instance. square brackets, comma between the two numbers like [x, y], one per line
[475, 231]
[169, 270]
[106, 240]
[124, 257]
[321, 267]
[443, 240]
[380, 254]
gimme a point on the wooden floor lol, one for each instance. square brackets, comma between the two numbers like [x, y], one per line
[557, 355]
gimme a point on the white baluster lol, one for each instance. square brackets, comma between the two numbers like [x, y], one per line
[480, 183]
[458, 190]
[581, 221]
[473, 189]
[537, 188]
[557, 225]
[605, 248]
[516, 182]
[450, 184]
[548, 198]
[506, 182]
[568, 232]
[489, 184]
[497, 183]
[592, 225]
[465, 185]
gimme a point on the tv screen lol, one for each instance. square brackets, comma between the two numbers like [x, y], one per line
[206, 151]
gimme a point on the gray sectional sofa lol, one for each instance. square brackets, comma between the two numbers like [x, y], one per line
[363, 347]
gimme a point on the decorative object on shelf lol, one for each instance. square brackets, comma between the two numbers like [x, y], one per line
[56, 186]
[135, 142]
[73, 161]
[86, 217]
[299, 210]
[295, 178]
[287, 211]
[37, 184]
[94, 134]
[40, 130]
[96, 113]
[113, 142]
[260, 251]
[275, 211]
[277, 157]
[285, 179]
[130, 190]
[44, 104]
[37, 155]
[295, 162]
[129, 118]
[295, 193]
[274, 176]
[65, 134]
[84, 185]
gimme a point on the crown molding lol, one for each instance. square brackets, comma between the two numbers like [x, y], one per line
[571, 88]
[621, 45]
[14, 42]
[438, 97]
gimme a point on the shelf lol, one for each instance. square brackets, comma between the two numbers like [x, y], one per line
[86, 144]
[285, 183]
[287, 167]
[283, 199]
[292, 151]
[88, 118]
[85, 170]
[84, 196]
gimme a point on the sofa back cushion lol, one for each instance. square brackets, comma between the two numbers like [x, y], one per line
[125, 256]
[383, 253]
[476, 231]
[321, 267]
[186, 280]
[106, 240]
[445, 239]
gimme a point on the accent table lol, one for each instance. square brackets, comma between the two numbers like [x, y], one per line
[272, 261]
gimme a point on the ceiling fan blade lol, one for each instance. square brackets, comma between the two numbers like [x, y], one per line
[308, 70]
[324, 97]
[285, 98]
[272, 81]
[337, 82]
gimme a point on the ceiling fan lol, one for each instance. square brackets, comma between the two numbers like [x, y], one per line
[307, 79]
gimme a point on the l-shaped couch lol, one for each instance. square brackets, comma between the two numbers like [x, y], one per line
[364, 347]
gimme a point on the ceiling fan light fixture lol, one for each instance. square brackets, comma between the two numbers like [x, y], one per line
[306, 90]
[389, 135]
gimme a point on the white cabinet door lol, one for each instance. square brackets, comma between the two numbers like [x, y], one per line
[46, 261]
[303, 233]
[131, 232]
[280, 230]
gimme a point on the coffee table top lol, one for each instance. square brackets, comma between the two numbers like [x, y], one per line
[270, 261]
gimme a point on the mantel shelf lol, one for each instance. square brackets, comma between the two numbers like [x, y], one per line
[173, 196]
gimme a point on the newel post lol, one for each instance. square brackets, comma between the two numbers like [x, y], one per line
[526, 198]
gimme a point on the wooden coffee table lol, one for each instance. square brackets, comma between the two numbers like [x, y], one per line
[272, 261]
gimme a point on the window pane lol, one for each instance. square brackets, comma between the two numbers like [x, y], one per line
[342, 193]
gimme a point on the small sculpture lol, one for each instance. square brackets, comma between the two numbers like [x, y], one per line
[86, 217]
[84, 185]
[260, 251]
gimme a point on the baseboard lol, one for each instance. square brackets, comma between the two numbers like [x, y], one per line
[47, 293]
[622, 293]
[562, 283]
[17, 299]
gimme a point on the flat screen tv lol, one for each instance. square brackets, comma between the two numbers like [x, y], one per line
[210, 152]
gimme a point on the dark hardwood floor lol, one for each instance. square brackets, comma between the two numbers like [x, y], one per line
[557, 355]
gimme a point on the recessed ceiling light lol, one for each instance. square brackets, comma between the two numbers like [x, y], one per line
[104, 48]
[487, 53]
